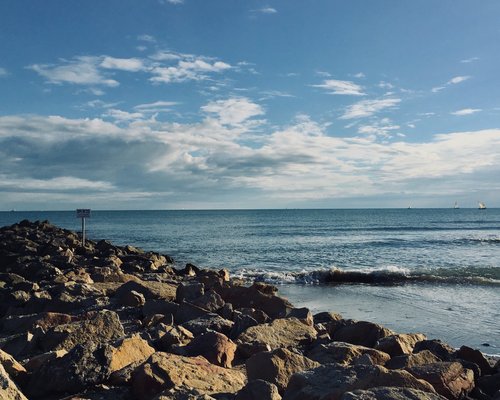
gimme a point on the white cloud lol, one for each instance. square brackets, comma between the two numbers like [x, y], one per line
[469, 60]
[267, 10]
[189, 68]
[124, 64]
[81, 70]
[120, 115]
[466, 111]
[457, 79]
[172, 1]
[233, 111]
[333, 86]
[146, 38]
[60, 183]
[367, 108]
[157, 106]
[382, 128]
[359, 75]
[3, 72]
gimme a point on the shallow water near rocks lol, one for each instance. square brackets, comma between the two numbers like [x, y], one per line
[435, 271]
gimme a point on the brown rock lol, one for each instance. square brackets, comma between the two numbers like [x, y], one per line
[8, 389]
[475, 356]
[331, 381]
[391, 393]
[410, 360]
[150, 289]
[360, 332]
[258, 389]
[210, 301]
[437, 347]
[172, 335]
[398, 344]
[277, 366]
[15, 370]
[214, 346]
[132, 299]
[345, 353]
[302, 314]
[209, 322]
[183, 393]
[281, 333]
[163, 371]
[95, 327]
[37, 361]
[188, 291]
[127, 351]
[489, 384]
[449, 379]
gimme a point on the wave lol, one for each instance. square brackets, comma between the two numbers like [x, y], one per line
[392, 275]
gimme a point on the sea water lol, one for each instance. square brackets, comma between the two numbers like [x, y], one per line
[435, 271]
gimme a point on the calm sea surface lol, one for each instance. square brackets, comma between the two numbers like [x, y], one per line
[435, 271]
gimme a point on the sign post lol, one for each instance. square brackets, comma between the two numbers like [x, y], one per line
[83, 213]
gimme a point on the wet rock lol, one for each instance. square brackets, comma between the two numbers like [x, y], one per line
[398, 344]
[281, 333]
[449, 379]
[8, 389]
[163, 371]
[277, 366]
[331, 381]
[258, 389]
[214, 346]
[391, 393]
[345, 353]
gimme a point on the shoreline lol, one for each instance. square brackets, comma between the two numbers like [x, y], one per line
[112, 313]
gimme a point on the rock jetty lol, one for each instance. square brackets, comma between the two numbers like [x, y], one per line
[106, 322]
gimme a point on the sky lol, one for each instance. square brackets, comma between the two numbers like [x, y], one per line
[215, 104]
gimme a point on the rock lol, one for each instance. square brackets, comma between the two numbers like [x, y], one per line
[8, 389]
[489, 384]
[362, 333]
[302, 314]
[102, 392]
[149, 289]
[37, 361]
[410, 360]
[398, 344]
[188, 291]
[284, 333]
[214, 346]
[252, 297]
[437, 347]
[210, 301]
[345, 353]
[20, 345]
[326, 317]
[331, 381]
[474, 356]
[15, 370]
[163, 371]
[163, 307]
[127, 351]
[172, 335]
[187, 312]
[183, 393]
[258, 389]
[209, 322]
[132, 299]
[95, 327]
[83, 366]
[449, 379]
[391, 393]
[277, 366]
[241, 323]
[260, 316]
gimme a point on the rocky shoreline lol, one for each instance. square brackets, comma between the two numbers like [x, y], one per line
[109, 322]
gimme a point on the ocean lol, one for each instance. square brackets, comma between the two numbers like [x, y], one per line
[435, 271]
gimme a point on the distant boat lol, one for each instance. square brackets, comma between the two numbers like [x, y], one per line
[456, 205]
[409, 207]
[482, 206]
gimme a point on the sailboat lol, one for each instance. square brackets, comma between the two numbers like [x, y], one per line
[482, 206]
[456, 205]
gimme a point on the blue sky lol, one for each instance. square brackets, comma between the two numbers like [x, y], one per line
[167, 104]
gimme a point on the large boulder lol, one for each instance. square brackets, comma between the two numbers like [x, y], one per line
[345, 353]
[149, 289]
[95, 327]
[391, 393]
[8, 389]
[209, 322]
[15, 370]
[398, 344]
[331, 381]
[437, 347]
[474, 356]
[163, 371]
[450, 379]
[281, 333]
[362, 333]
[127, 351]
[277, 366]
[214, 346]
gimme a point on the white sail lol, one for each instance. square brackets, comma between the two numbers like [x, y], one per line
[482, 206]
[456, 205]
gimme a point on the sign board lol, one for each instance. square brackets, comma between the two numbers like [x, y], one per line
[83, 213]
